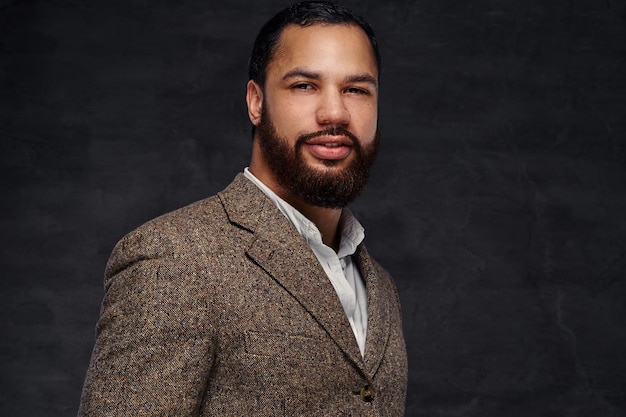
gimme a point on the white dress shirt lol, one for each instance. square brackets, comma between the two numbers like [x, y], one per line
[340, 267]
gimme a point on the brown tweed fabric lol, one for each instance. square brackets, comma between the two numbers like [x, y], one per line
[221, 309]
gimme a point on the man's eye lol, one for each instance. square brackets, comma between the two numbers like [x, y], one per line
[302, 86]
[355, 90]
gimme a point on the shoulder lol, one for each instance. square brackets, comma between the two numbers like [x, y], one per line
[194, 232]
[182, 228]
[182, 224]
[387, 283]
[169, 235]
[192, 219]
[366, 260]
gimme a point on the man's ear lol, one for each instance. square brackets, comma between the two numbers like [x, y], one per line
[254, 99]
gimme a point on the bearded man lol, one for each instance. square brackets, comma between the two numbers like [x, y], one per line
[262, 300]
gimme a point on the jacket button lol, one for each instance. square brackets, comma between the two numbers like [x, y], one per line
[367, 394]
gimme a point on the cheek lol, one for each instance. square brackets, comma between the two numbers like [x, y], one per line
[368, 122]
[289, 116]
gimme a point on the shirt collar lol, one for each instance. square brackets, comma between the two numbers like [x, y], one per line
[352, 232]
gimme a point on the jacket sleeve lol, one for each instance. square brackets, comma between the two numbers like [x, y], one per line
[154, 347]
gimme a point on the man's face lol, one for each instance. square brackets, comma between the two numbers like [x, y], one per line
[316, 117]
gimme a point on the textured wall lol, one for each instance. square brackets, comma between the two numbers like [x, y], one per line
[497, 203]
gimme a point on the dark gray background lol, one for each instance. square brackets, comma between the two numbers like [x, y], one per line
[498, 202]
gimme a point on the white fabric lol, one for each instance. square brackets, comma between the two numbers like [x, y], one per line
[340, 267]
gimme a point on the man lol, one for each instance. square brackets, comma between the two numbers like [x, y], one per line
[262, 300]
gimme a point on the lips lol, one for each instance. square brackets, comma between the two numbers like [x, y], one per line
[329, 147]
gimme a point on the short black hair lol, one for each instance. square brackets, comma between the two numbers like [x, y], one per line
[305, 13]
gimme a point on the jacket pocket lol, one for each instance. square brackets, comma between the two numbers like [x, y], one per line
[286, 346]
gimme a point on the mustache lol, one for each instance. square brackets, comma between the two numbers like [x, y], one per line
[330, 131]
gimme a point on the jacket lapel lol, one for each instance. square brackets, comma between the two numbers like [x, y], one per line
[276, 246]
[378, 307]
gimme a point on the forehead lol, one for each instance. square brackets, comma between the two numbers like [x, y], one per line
[324, 46]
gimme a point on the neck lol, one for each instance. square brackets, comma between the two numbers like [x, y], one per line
[326, 220]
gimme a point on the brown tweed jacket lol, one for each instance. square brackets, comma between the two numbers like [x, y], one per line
[221, 309]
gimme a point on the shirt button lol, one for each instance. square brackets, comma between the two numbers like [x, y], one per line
[367, 394]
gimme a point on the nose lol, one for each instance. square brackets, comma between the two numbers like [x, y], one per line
[332, 110]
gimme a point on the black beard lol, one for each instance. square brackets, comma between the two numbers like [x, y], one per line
[331, 188]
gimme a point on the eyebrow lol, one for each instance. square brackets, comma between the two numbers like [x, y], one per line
[363, 78]
[359, 78]
[299, 72]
